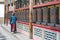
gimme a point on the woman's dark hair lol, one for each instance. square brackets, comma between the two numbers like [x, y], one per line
[13, 14]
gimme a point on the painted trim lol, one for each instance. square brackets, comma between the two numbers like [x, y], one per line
[42, 26]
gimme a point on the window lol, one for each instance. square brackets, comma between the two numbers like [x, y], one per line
[8, 4]
[24, 16]
[57, 15]
[39, 15]
[27, 15]
[11, 4]
[20, 16]
[23, 3]
[45, 1]
[51, 0]
[53, 15]
[17, 5]
[48, 18]
[45, 12]
[26, 2]
[37, 2]
[20, 3]
[34, 16]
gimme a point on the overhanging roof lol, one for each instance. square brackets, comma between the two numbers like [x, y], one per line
[1, 1]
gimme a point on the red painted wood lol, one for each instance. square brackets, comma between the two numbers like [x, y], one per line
[42, 26]
[47, 4]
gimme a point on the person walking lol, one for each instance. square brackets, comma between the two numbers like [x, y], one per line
[13, 20]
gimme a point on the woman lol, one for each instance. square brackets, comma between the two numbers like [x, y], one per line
[13, 23]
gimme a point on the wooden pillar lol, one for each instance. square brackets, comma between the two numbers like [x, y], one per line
[6, 11]
[6, 15]
[30, 19]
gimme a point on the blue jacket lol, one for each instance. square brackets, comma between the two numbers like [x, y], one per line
[13, 20]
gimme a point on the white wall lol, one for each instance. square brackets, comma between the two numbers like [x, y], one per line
[1, 10]
[1, 0]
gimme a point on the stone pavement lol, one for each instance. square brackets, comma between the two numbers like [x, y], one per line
[18, 35]
[4, 35]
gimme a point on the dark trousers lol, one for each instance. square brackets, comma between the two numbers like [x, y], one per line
[13, 28]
